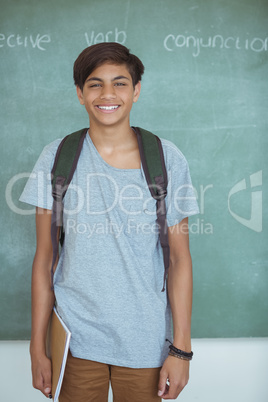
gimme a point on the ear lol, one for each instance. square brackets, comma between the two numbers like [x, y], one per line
[137, 91]
[80, 95]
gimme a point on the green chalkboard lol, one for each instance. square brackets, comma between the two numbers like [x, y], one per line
[205, 88]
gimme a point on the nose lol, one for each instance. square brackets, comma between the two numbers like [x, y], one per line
[108, 92]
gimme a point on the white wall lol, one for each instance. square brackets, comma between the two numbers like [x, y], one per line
[223, 370]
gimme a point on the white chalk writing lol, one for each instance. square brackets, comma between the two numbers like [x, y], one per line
[15, 40]
[110, 36]
[173, 42]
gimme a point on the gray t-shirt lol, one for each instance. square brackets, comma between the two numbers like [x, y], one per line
[109, 276]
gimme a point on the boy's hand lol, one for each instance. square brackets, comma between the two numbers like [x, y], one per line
[41, 373]
[176, 371]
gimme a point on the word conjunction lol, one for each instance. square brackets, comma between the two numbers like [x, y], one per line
[196, 44]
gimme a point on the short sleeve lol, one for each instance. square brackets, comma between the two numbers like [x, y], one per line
[181, 200]
[37, 190]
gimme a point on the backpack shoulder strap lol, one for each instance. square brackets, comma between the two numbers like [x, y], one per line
[66, 159]
[153, 163]
[62, 172]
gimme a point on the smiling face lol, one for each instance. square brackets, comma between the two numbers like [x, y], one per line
[108, 95]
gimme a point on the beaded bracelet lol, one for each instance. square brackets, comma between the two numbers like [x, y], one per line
[173, 351]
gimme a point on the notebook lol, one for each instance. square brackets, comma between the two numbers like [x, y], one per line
[58, 342]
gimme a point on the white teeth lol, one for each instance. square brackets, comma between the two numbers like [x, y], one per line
[108, 107]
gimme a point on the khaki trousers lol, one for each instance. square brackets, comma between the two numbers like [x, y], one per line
[88, 381]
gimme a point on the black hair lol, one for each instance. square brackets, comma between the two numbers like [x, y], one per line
[107, 52]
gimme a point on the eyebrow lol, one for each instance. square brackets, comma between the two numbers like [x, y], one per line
[119, 77]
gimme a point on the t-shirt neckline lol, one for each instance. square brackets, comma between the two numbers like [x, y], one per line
[91, 144]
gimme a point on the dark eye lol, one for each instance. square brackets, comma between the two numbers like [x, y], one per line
[120, 84]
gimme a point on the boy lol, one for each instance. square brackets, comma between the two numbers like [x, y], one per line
[109, 275]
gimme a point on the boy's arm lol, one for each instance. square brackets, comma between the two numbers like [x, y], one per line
[42, 302]
[180, 297]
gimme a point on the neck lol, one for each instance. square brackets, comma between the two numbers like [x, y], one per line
[112, 137]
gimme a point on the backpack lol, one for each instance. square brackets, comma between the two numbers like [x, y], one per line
[152, 159]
